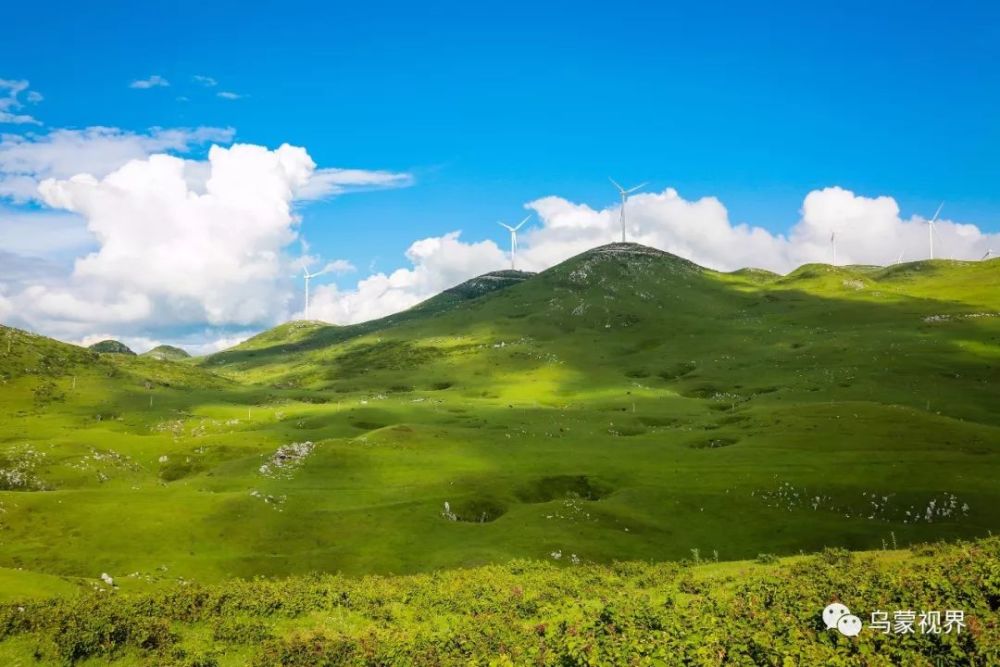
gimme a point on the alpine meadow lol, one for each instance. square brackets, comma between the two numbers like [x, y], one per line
[518, 334]
[589, 449]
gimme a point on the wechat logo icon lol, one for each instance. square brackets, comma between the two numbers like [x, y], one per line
[839, 617]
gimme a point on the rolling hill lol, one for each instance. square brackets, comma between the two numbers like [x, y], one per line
[167, 353]
[623, 405]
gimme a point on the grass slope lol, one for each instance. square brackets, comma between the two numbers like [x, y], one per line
[626, 404]
[766, 612]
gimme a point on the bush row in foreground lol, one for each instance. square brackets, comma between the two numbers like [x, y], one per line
[528, 613]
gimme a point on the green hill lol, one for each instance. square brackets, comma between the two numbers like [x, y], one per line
[111, 347]
[166, 353]
[623, 405]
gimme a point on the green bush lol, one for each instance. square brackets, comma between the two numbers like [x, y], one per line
[529, 613]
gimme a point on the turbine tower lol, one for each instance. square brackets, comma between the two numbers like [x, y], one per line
[624, 193]
[309, 276]
[833, 242]
[930, 228]
[513, 238]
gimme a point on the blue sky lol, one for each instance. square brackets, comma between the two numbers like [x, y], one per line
[493, 105]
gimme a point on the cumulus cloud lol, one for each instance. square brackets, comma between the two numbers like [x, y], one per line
[868, 231]
[438, 263]
[114, 230]
[10, 89]
[154, 81]
[170, 252]
[26, 160]
[229, 95]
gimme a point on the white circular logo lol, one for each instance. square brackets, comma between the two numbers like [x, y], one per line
[832, 614]
[849, 625]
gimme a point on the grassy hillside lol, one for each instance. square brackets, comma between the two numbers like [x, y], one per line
[167, 353]
[110, 347]
[626, 404]
[764, 612]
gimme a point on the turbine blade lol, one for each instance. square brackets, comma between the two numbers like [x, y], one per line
[641, 185]
[526, 218]
[507, 227]
[937, 213]
[613, 182]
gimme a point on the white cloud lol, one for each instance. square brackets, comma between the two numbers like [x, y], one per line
[10, 89]
[206, 81]
[332, 181]
[154, 81]
[229, 95]
[27, 160]
[145, 243]
[339, 266]
[438, 263]
[169, 253]
[869, 231]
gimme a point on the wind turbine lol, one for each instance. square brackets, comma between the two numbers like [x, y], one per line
[513, 238]
[309, 276]
[930, 228]
[624, 193]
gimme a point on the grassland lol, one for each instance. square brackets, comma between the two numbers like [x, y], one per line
[624, 405]
[763, 612]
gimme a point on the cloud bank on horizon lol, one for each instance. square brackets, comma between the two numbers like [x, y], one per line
[167, 248]
[868, 231]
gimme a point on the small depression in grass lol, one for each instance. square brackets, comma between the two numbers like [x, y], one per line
[677, 371]
[178, 468]
[477, 510]
[365, 425]
[702, 391]
[658, 421]
[557, 487]
[713, 443]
